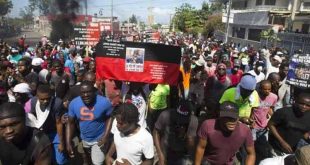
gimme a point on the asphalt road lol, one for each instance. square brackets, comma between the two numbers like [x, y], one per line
[32, 37]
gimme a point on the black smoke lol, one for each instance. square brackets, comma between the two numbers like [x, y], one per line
[63, 15]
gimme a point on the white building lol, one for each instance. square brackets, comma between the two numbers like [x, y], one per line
[249, 17]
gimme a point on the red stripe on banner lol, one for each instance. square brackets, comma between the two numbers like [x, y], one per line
[149, 72]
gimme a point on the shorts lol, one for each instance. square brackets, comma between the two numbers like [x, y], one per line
[97, 155]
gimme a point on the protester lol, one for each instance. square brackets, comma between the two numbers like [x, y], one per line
[215, 87]
[236, 73]
[290, 125]
[284, 91]
[21, 144]
[44, 112]
[174, 134]
[158, 102]
[258, 72]
[245, 96]
[22, 93]
[93, 114]
[261, 115]
[216, 136]
[131, 142]
[137, 97]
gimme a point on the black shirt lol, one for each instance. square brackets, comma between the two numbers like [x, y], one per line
[15, 154]
[291, 125]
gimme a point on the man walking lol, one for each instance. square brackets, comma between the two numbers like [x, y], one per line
[93, 114]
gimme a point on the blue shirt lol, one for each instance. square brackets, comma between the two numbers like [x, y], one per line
[91, 119]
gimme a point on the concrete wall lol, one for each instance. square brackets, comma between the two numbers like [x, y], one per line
[297, 25]
[251, 18]
[279, 3]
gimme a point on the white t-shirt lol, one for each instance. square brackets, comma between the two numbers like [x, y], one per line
[37, 121]
[270, 68]
[140, 103]
[259, 77]
[134, 146]
[279, 160]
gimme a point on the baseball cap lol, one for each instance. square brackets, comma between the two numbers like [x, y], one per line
[183, 112]
[14, 50]
[237, 62]
[36, 62]
[229, 109]
[200, 62]
[248, 82]
[22, 88]
[209, 58]
[277, 58]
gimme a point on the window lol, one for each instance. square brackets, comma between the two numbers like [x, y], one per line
[259, 2]
[307, 4]
[278, 20]
[270, 2]
[254, 34]
[241, 33]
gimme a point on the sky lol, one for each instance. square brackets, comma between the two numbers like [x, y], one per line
[123, 9]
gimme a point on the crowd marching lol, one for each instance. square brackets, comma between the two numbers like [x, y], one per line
[232, 105]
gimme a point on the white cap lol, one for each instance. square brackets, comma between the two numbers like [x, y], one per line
[278, 58]
[200, 62]
[36, 62]
[22, 88]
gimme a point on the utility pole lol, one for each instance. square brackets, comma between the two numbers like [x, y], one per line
[227, 21]
[293, 11]
[128, 26]
[112, 30]
[86, 12]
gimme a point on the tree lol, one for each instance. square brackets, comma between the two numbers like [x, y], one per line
[42, 5]
[187, 19]
[27, 15]
[270, 36]
[213, 23]
[5, 7]
[133, 19]
[156, 26]
[216, 7]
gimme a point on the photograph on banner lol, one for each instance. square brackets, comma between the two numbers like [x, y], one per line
[299, 71]
[134, 59]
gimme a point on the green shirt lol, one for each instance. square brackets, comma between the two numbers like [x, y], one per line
[158, 97]
[245, 105]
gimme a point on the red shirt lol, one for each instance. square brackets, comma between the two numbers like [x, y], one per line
[221, 149]
[235, 78]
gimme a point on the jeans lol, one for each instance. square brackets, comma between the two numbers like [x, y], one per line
[262, 147]
[59, 157]
[260, 134]
[97, 155]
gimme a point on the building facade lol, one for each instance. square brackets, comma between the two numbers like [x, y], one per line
[249, 17]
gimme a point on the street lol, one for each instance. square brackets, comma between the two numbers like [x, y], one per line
[32, 37]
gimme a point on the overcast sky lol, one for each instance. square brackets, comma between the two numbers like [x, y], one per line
[162, 9]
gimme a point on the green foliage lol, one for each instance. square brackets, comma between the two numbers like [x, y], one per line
[213, 23]
[17, 22]
[133, 19]
[42, 5]
[156, 26]
[27, 15]
[191, 20]
[269, 35]
[5, 7]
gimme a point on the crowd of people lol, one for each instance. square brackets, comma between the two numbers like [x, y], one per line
[232, 105]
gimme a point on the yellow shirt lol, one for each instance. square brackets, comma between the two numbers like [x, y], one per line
[245, 105]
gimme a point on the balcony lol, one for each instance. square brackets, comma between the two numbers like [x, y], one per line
[268, 8]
